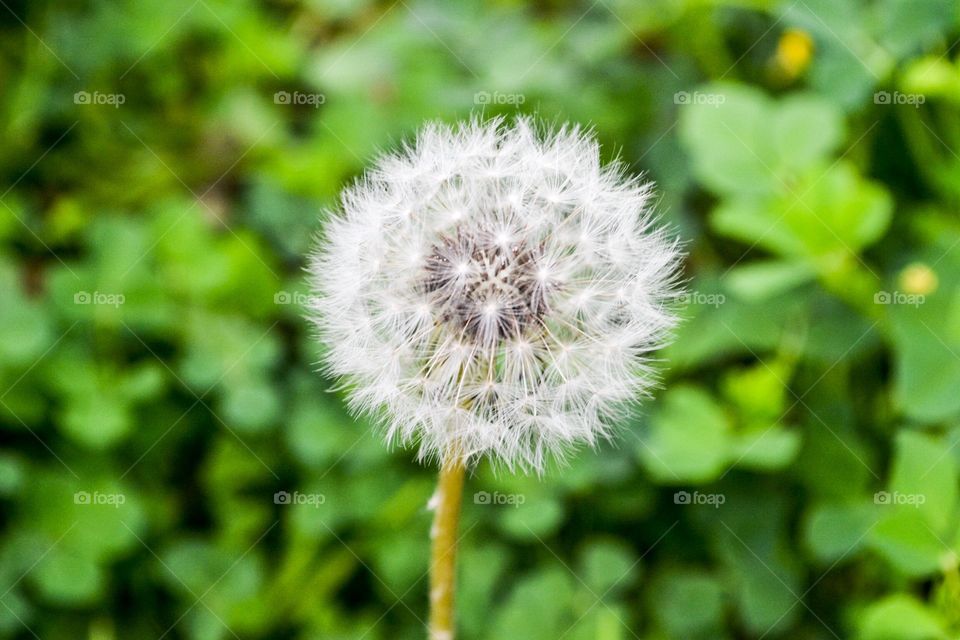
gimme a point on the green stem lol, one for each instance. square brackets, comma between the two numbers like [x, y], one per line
[443, 554]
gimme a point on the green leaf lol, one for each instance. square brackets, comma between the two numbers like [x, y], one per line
[906, 541]
[743, 143]
[687, 603]
[251, 406]
[837, 531]
[727, 139]
[536, 517]
[759, 392]
[828, 212]
[143, 382]
[761, 280]
[12, 473]
[763, 575]
[25, 330]
[768, 449]
[735, 328]
[688, 439]
[910, 24]
[900, 617]
[932, 76]
[927, 370]
[608, 565]
[924, 478]
[98, 421]
[806, 129]
[68, 577]
[485, 565]
[528, 614]
[758, 221]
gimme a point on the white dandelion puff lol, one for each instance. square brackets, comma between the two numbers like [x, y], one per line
[492, 290]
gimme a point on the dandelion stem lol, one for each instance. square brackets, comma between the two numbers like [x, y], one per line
[443, 554]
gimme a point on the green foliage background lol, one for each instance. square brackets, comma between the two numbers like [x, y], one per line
[153, 357]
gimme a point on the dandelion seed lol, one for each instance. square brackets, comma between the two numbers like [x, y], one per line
[492, 290]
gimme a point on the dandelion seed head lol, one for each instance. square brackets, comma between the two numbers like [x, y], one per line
[492, 290]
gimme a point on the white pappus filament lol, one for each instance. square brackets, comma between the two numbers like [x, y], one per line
[492, 290]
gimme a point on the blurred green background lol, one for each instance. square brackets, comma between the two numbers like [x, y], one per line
[164, 164]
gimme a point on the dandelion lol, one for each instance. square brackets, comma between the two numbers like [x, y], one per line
[491, 290]
[794, 52]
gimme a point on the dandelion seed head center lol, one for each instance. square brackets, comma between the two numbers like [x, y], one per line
[484, 287]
